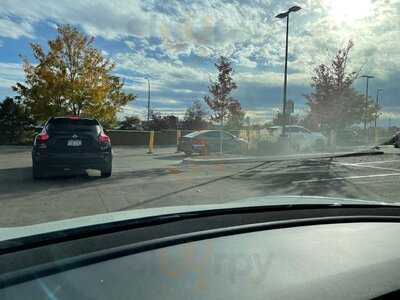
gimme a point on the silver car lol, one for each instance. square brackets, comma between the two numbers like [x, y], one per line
[209, 141]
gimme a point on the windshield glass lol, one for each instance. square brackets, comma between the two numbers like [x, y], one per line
[114, 106]
[71, 125]
[193, 134]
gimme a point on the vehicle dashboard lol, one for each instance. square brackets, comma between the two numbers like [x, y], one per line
[332, 253]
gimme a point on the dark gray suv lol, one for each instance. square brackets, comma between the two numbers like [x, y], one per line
[71, 143]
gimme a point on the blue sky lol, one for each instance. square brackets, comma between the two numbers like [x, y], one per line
[175, 43]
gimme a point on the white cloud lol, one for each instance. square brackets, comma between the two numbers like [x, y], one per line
[159, 33]
[246, 62]
[130, 110]
[110, 19]
[181, 26]
[246, 31]
[164, 101]
[271, 79]
[162, 73]
[375, 33]
[389, 115]
[10, 73]
[202, 51]
[14, 30]
[171, 79]
[130, 44]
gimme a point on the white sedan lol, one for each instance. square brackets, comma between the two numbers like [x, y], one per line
[301, 138]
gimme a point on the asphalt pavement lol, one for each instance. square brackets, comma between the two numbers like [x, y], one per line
[141, 180]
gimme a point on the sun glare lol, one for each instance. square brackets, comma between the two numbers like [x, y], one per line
[349, 10]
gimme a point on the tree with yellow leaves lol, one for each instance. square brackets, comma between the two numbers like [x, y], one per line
[71, 78]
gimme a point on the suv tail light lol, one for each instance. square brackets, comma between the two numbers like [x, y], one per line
[42, 137]
[103, 138]
[200, 142]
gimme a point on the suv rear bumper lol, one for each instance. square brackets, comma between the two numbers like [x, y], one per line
[72, 160]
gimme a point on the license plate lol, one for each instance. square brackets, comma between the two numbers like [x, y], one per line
[74, 143]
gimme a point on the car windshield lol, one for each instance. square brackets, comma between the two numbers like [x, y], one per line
[193, 134]
[120, 106]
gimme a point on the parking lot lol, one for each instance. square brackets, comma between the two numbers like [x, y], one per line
[142, 180]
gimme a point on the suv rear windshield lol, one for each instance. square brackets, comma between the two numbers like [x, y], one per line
[72, 125]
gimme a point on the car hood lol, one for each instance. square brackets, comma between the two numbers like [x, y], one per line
[8, 233]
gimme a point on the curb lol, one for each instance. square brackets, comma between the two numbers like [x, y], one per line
[238, 160]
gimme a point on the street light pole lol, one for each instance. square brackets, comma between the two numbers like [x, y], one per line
[367, 77]
[285, 79]
[148, 99]
[377, 103]
[366, 106]
[282, 16]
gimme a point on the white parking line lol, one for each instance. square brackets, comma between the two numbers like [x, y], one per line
[377, 162]
[345, 178]
[365, 166]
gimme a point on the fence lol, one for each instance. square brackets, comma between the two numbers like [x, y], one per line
[254, 137]
[141, 138]
[168, 137]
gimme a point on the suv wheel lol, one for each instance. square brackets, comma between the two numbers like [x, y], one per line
[107, 171]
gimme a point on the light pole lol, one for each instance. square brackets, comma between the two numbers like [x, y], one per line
[282, 16]
[377, 103]
[367, 77]
[148, 99]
